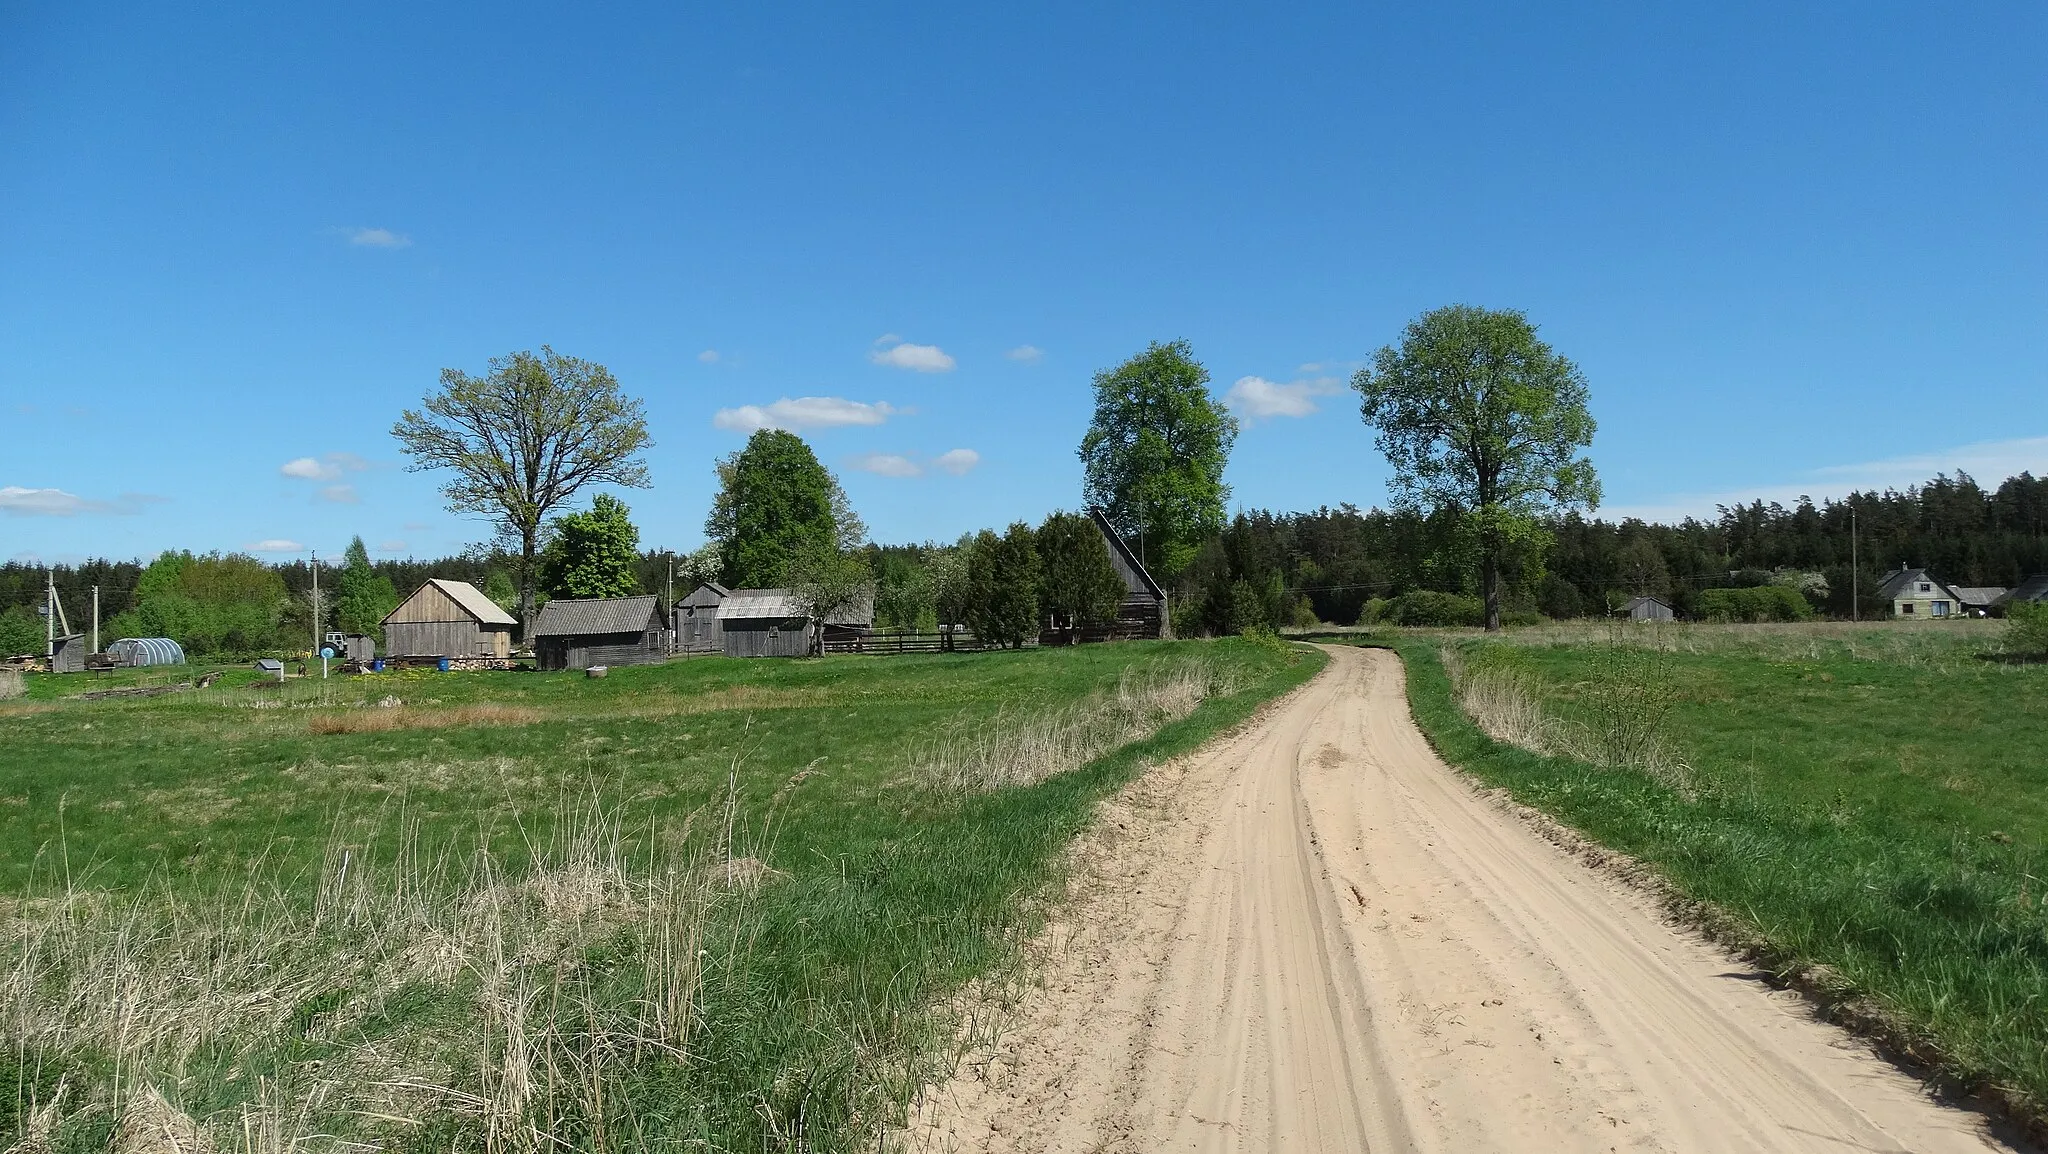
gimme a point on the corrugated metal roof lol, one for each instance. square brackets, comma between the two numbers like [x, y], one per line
[571, 618]
[1978, 595]
[784, 604]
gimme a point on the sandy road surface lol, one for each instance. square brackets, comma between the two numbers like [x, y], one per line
[1315, 937]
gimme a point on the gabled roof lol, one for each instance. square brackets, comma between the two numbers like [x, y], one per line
[1116, 543]
[566, 617]
[467, 598]
[1902, 579]
[2034, 588]
[785, 605]
[1978, 596]
[1635, 603]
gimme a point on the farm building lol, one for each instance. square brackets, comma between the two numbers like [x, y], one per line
[135, 652]
[1143, 612]
[776, 623]
[448, 619]
[2034, 588]
[1977, 600]
[1918, 593]
[577, 634]
[695, 619]
[1646, 609]
[67, 653]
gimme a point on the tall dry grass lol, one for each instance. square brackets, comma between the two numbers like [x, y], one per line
[1621, 713]
[1022, 748]
[393, 990]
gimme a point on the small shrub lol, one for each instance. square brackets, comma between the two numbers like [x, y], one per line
[1373, 612]
[1757, 603]
[2026, 627]
[1426, 607]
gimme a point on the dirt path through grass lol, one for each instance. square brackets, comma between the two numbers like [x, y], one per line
[1316, 937]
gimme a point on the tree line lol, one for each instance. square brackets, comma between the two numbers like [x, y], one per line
[1492, 519]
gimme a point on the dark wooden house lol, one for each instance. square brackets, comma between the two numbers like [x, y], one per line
[577, 634]
[448, 619]
[1143, 613]
[695, 619]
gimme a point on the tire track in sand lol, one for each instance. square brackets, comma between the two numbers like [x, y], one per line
[1314, 936]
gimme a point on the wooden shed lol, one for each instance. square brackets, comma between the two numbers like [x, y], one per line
[67, 653]
[577, 634]
[448, 619]
[695, 619]
[1646, 609]
[1143, 612]
[776, 623]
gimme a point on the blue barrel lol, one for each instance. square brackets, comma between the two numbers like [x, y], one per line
[442, 665]
[377, 665]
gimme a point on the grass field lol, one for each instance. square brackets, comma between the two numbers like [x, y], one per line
[1869, 799]
[710, 905]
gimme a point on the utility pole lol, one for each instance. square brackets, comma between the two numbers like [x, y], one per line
[95, 619]
[50, 615]
[316, 601]
[1855, 578]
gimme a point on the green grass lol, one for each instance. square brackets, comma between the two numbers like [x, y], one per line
[1866, 799]
[818, 1009]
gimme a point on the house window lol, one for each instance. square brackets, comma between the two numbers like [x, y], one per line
[1926, 588]
[1940, 608]
[1906, 608]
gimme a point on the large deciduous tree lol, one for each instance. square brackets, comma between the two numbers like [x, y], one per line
[525, 438]
[1153, 458]
[593, 554]
[777, 504]
[1479, 417]
[1077, 582]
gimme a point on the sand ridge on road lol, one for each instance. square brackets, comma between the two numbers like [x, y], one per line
[1314, 936]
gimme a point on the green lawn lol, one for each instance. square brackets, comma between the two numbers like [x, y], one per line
[1872, 799]
[476, 898]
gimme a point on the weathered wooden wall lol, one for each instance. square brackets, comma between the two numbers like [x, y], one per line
[445, 639]
[762, 638]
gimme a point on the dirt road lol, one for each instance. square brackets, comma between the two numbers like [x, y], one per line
[1316, 937]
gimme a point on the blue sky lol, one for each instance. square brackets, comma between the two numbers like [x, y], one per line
[1792, 250]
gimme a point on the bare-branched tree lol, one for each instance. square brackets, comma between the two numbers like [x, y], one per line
[524, 439]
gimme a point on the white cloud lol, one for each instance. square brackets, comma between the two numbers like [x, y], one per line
[391, 546]
[18, 501]
[340, 495]
[887, 465]
[1257, 398]
[327, 467]
[1316, 368]
[377, 238]
[1990, 462]
[917, 358]
[275, 545]
[708, 357]
[803, 413]
[1026, 354]
[957, 461]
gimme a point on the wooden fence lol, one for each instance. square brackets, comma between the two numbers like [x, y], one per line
[903, 641]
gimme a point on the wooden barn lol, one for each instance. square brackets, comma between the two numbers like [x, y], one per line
[1647, 609]
[1143, 612]
[776, 623]
[577, 634]
[448, 619]
[695, 619]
